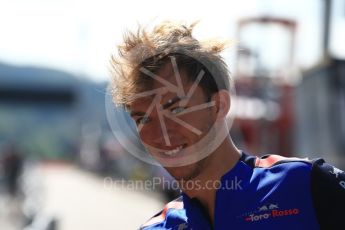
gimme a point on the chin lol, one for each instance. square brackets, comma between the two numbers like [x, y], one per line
[185, 173]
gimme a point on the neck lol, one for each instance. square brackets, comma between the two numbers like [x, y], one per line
[214, 167]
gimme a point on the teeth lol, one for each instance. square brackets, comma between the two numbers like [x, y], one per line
[173, 152]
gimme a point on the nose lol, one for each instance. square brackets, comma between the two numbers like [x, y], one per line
[160, 133]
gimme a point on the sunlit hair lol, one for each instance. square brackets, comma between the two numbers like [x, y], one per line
[152, 49]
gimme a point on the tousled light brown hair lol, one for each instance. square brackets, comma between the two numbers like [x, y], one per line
[152, 49]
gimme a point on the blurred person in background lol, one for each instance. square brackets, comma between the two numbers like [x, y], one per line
[12, 166]
[176, 89]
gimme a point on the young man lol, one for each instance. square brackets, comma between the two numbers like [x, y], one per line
[176, 89]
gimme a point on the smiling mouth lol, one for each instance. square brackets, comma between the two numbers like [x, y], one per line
[175, 151]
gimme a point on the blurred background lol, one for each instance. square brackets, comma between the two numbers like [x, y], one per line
[56, 146]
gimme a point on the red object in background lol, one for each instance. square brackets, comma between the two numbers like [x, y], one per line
[268, 126]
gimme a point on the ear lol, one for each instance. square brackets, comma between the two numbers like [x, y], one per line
[222, 103]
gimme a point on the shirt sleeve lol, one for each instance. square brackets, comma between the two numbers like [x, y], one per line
[328, 194]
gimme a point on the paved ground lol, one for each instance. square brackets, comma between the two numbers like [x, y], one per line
[9, 213]
[79, 200]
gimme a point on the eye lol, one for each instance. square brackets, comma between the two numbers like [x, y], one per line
[177, 110]
[142, 120]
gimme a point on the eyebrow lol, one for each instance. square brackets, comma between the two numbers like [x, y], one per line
[164, 106]
[137, 113]
[171, 102]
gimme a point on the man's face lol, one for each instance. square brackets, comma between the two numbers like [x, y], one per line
[169, 122]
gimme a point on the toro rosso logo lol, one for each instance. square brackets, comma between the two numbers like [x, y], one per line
[270, 211]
